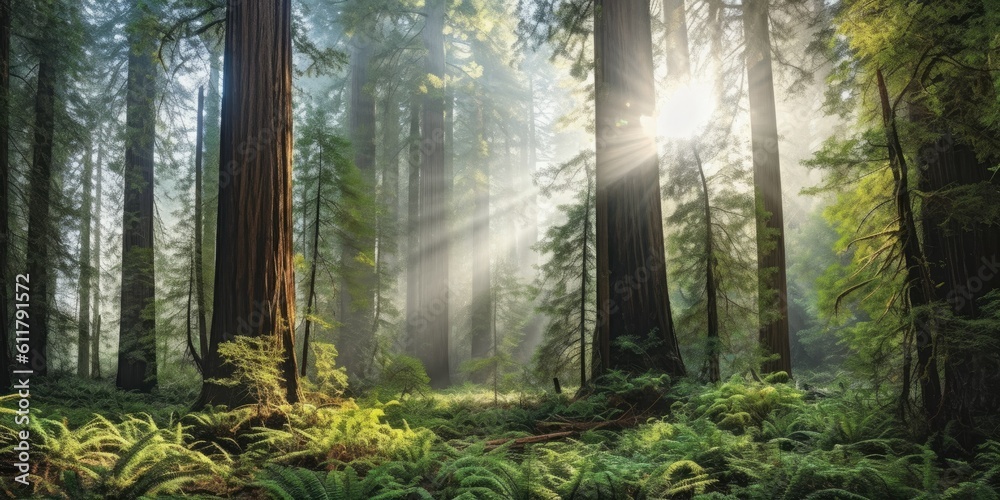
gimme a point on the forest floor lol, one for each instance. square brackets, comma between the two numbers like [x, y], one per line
[738, 439]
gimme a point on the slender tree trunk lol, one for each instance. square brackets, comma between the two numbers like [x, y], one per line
[711, 369]
[199, 216]
[254, 275]
[86, 273]
[631, 278]
[584, 279]
[39, 230]
[413, 316]
[356, 296]
[919, 288]
[482, 306]
[137, 333]
[95, 331]
[4, 192]
[210, 175]
[314, 264]
[527, 257]
[434, 329]
[772, 292]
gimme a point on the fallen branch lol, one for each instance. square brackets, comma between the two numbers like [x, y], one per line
[520, 442]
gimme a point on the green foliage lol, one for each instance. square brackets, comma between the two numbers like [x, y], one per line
[738, 406]
[256, 367]
[287, 483]
[331, 436]
[401, 375]
[331, 380]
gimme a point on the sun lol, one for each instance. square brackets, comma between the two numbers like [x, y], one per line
[683, 114]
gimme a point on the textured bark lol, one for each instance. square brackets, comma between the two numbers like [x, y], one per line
[254, 281]
[357, 291]
[4, 192]
[199, 217]
[433, 325]
[482, 299]
[633, 304]
[412, 232]
[137, 332]
[86, 273]
[95, 330]
[772, 290]
[39, 221]
[961, 258]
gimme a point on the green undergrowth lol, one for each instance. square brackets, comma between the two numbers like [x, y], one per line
[736, 439]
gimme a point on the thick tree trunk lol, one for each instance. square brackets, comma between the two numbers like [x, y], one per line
[434, 325]
[482, 298]
[772, 292]
[137, 333]
[39, 230]
[4, 192]
[356, 295]
[412, 233]
[199, 216]
[254, 275]
[86, 273]
[95, 330]
[633, 305]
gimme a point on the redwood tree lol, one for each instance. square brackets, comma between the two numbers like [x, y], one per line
[254, 281]
[357, 293]
[635, 328]
[39, 232]
[137, 330]
[85, 277]
[433, 321]
[772, 301]
[4, 190]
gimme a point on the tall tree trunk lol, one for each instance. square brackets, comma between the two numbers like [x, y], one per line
[919, 289]
[4, 191]
[434, 328]
[388, 243]
[314, 265]
[676, 41]
[86, 273]
[631, 280]
[210, 175]
[527, 257]
[254, 275]
[711, 369]
[199, 216]
[137, 333]
[772, 292]
[482, 307]
[95, 331]
[356, 294]
[584, 279]
[39, 230]
[413, 316]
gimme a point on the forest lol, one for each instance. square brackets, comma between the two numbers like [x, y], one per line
[498, 249]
